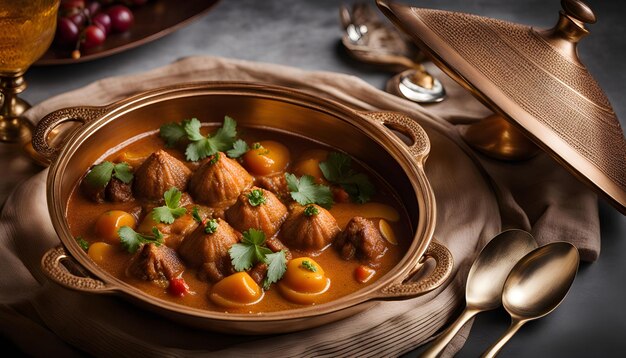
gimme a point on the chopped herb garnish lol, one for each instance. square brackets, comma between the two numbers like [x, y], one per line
[214, 159]
[249, 251]
[311, 210]
[256, 145]
[82, 243]
[123, 172]
[240, 148]
[210, 226]
[200, 147]
[171, 210]
[172, 133]
[132, 240]
[306, 264]
[276, 267]
[100, 175]
[196, 215]
[305, 191]
[256, 198]
[337, 169]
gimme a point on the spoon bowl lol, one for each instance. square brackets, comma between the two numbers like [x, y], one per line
[486, 279]
[536, 286]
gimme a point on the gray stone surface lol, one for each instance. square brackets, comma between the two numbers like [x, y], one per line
[592, 320]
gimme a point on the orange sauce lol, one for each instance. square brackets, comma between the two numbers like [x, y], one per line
[82, 214]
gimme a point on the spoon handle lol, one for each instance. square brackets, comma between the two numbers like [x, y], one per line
[442, 341]
[496, 347]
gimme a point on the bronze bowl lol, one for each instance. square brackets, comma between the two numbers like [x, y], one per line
[367, 136]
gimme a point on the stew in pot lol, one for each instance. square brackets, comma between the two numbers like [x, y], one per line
[256, 221]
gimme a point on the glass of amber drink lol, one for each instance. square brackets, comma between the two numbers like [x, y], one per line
[27, 28]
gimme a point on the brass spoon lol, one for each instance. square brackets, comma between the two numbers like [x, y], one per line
[536, 286]
[486, 279]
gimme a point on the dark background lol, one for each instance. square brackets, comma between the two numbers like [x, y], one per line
[305, 34]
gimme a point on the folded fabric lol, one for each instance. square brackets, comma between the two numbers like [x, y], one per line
[476, 197]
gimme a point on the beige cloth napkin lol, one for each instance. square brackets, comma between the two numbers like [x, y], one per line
[476, 197]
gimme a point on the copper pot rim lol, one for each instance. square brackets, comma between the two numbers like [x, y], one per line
[411, 261]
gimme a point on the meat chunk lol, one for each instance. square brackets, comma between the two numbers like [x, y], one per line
[258, 273]
[361, 239]
[310, 228]
[209, 251]
[158, 174]
[153, 263]
[276, 245]
[257, 208]
[277, 184]
[118, 192]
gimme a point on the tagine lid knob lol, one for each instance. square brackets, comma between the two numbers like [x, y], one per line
[534, 79]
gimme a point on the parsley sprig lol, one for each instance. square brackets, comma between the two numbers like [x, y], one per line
[337, 169]
[171, 210]
[251, 250]
[100, 175]
[132, 240]
[305, 191]
[200, 146]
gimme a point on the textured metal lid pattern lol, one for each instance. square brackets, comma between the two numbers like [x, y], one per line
[520, 74]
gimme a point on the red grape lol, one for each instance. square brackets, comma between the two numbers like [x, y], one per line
[67, 32]
[103, 21]
[70, 5]
[78, 18]
[93, 8]
[121, 18]
[94, 36]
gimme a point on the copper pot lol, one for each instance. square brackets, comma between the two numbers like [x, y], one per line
[365, 135]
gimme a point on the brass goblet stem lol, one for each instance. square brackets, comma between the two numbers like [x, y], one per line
[13, 127]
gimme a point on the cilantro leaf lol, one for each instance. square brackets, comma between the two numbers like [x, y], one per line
[240, 148]
[225, 136]
[123, 172]
[196, 215]
[100, 175]
[337, 169]
[242, 256]
[82, 243]
[253, 237]
[198, 150]
[201, 146]
[171, 210]
[192, 129]
[276, 267]
[171, 133]
[256, 198]
[132, 240]
[359, 187]
[305, 191]
[249, 251]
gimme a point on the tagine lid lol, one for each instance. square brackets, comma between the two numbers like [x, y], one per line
[534, 79]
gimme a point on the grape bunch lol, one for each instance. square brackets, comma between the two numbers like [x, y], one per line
[84, 24]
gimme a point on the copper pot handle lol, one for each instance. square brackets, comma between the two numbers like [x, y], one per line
[53, 268]
[420, 146]
[41, 135]
[441, 272]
